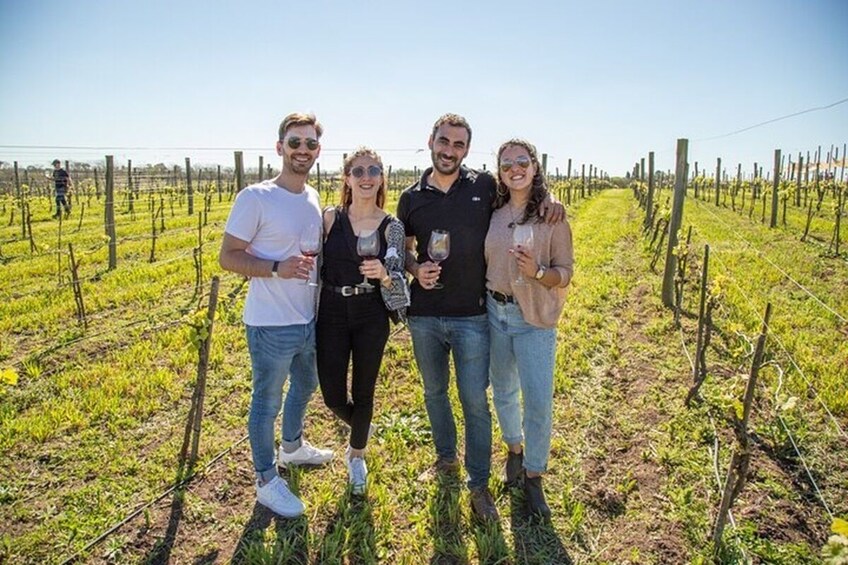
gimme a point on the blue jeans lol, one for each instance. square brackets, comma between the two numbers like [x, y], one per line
[523, 358]
[276, 352]
[433, 339]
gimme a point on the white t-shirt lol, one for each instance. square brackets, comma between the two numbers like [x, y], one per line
[271, 218]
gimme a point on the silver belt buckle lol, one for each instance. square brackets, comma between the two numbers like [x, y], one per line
[348, 291]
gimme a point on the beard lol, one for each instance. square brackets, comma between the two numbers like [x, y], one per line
[297, 167]
[445, 169]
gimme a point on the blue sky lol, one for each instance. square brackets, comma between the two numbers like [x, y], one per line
[602, 82]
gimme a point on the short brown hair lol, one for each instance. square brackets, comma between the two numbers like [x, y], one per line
[347, 191]
[300, 119]
[452, 120]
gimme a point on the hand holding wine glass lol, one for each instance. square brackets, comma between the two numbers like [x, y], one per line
[367, 247]
[522, 238]
[438, 249]
[310, 245]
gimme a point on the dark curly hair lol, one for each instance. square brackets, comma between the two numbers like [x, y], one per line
[347, 191]
[538, 189]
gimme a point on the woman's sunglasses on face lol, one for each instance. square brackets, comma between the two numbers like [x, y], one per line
[372, 170]
[523, 162]
[294, 142]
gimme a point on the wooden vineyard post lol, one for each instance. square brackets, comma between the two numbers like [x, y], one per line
[718, 181]
[798, 182]
[19, 191]
[544, 165]
[110, 213]
[75, 283]
[96, 184]
[239, 164]
[774, 187]
[189, 188]
[259, 172]
[738, 471]
[568, 183]
[674, 222]
[218, 183]
[130, 193]
[649, 203]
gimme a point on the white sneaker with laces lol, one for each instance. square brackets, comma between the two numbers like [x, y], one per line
[357, 474]
[275, 494]
[306, 454]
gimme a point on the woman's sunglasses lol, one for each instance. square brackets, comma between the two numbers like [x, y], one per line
[294, 142]
[523, 162]
[372, 170]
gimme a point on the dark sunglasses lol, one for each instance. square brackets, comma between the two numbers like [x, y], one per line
[373, 171]
[294, 142]
[523, 162]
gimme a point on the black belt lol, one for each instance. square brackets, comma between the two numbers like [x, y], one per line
[350, 290]
[501, 298]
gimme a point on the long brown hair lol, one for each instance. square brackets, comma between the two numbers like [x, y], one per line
[347, 191]
[538, 189]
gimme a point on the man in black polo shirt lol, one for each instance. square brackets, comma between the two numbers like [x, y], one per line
[453, 318]
[62, 183]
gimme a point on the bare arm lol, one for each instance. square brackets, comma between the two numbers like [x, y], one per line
[234, 257]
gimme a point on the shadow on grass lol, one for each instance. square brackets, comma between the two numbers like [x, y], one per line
[290, 545]
[349, 535]
[446, 522]
[535, 539]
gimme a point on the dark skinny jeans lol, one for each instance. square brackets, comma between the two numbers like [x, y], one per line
[354, 327]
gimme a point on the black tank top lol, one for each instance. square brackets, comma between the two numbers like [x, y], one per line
[340, 261]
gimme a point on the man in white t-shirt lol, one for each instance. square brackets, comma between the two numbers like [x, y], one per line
[262, 241]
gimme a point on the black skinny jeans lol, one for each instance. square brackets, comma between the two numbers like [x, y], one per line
[351, 327]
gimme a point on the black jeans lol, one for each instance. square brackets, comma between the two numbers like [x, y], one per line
[354, 327]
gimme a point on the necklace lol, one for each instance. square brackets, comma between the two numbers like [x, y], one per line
[511, 225]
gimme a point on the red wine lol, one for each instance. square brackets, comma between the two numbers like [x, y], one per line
[368, 257]
[309, 253]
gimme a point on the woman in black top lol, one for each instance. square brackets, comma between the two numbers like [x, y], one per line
[353, 322]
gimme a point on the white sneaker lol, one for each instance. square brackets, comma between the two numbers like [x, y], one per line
[357, 474]
[275, 494]
[306, 454]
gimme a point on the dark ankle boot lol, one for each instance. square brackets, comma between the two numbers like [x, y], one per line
[536, 497]
[514, 469]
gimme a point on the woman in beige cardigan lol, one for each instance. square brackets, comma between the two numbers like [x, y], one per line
[526, 286]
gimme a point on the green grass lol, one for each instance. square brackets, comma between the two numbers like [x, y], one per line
[92, 428]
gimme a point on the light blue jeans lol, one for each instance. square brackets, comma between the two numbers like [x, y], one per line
[433, 340]
[522, 369]
[275, 353]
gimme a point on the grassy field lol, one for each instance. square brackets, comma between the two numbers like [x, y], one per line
[91, 429]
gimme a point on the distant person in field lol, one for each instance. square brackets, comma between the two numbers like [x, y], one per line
[526, 280]
[359, 286]
[452, 319]
[262, 240]
[62, 183]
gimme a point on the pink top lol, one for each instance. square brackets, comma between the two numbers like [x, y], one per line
[541, 306]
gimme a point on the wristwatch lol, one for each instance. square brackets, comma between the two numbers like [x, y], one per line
[541, 272]
[274, 268]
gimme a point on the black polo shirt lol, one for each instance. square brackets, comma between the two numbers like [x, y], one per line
[464, 211]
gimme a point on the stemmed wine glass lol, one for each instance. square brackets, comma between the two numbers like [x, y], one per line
[310, 245]
[367, 247]
[522, 236]
[438, 249]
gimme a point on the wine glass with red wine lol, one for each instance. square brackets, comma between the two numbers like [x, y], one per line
[367, 247]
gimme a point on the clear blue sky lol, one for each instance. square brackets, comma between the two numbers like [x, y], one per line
[602, 82]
